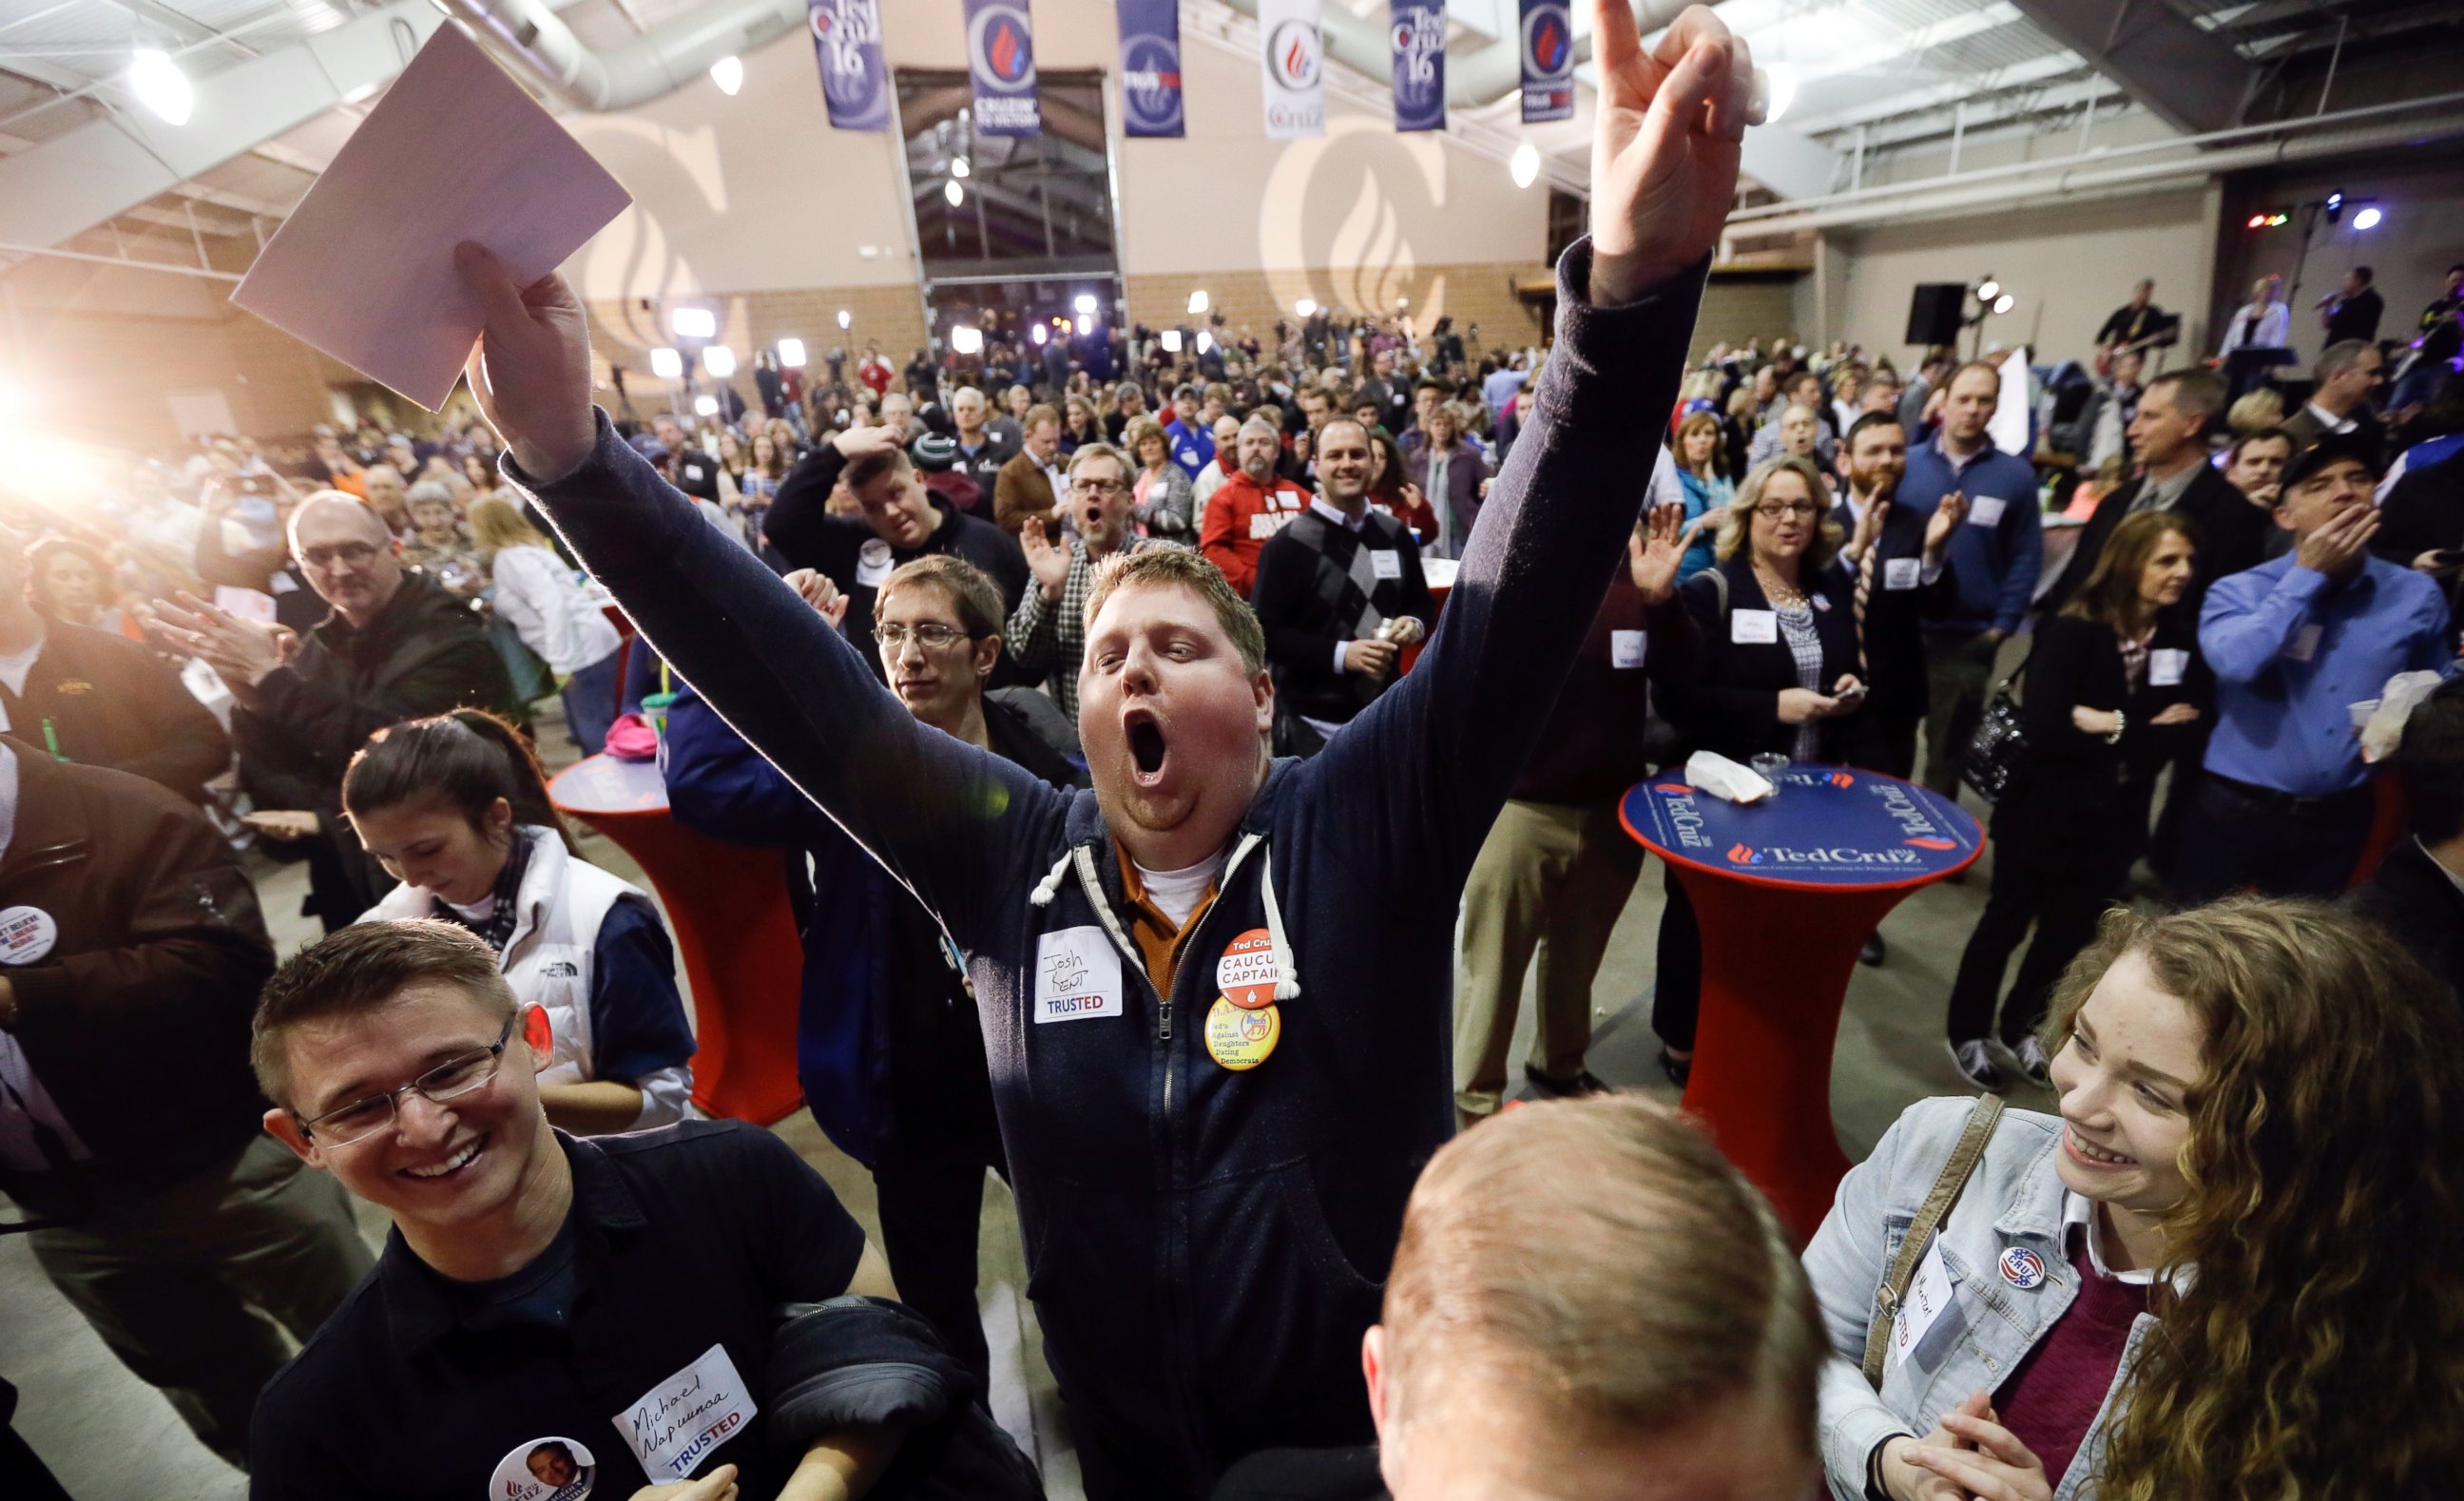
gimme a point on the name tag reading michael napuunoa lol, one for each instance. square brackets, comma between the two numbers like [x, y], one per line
[1077, 976]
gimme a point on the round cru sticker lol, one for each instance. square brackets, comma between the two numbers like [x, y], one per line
[1245, 974]
[26, 934]
[1241, 1039]
[543, 1470]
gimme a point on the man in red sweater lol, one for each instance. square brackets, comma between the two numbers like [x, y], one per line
[1249, 507]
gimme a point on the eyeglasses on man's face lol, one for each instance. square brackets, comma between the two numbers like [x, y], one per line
[1097, 487]
[369, 1115]
[931, 635]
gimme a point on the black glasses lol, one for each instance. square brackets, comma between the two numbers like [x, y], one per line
[364, 1118]
[350, 555]
[1777, 511]
[931, 635]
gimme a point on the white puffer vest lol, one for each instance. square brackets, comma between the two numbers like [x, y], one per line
[562, 902]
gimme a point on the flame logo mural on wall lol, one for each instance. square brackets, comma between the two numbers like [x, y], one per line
[634, 260]
[1341, 201]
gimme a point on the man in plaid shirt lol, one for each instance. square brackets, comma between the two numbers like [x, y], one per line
[1048, 631]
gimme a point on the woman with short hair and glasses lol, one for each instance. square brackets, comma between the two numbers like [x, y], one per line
[1782, 674]
[456, 810]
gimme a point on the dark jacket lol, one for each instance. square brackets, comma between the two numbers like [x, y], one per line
[1204, 1247]
[1598, 742]
[2420, 902]
[848, 549]
[1305, 598]
[866, 1362]
[887, 1042]
[2078, 802]
[2424, 513]
[136, 1020]
[423, 654]
[696, 473]
[108, 701]
[2232, 535]
[1732, 705]
[1894, 648]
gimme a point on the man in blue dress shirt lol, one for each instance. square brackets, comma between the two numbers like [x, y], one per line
[2286, 804]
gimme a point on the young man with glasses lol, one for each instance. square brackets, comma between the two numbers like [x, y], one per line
[616, 1296]
[397, 646]
[1048, 631]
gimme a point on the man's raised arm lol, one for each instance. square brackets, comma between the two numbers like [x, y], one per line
[941, 815]
[1442, 747]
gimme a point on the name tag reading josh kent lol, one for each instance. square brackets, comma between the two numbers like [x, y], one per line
[1077, 974]
[674, 1426]
[1385, 562]
[2165, 666]
[1752, 627]
[1902, 573]
[1986, 511]
[1626, 648]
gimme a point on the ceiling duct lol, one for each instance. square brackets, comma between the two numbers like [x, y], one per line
[529, 37]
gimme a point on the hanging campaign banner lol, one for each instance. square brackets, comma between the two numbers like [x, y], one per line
[1294, 68]
[1418, 36]
[1548, 61]
[1001, 61]
[847, 43]
[1150, 67]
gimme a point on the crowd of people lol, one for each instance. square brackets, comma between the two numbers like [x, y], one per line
[1153, 847]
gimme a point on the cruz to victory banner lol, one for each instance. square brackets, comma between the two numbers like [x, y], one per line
[847, 43]
[1294, 68]
[1548, 61]
[1418, 36]
[1001, 63]
[1150, 67]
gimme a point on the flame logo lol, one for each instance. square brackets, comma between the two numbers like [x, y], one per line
[1005, 52]
[1677, 788]
[1928, 842]
[1548, 46]
[1295, 59]
[1840, 779]
[1742, 854]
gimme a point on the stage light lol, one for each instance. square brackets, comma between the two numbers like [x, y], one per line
[728, 73]
[2335, 207]
[667, 364]
[1171, 338]
[2005, 302]
[706, 405]
[1306, 307]
[1086, 324]
[955, 193]
[693, 322]
[2368, 219]
[1525, 164]
[1206, 340]
[2257, 221]
[1988, 290]
[1037, 334]
[1084, 303]
[1779, 83]
[791, 354]
[959, 166]
[719, 361]
[1197, 301]
[967, 339]
[847, 319]
[160, 86]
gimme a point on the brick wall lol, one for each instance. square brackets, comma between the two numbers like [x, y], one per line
[109, 377]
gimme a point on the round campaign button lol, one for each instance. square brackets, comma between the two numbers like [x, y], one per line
[1239, 1038]
[26, 934]
[545, 1470]
[2023, 1269]
[1245, 974]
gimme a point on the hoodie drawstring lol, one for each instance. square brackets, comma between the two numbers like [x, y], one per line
[1288, 969]
[1049, 887]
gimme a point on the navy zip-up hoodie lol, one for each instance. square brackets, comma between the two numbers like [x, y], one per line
[1204, 1248]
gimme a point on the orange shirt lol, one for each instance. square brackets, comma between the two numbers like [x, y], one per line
[1158, 941]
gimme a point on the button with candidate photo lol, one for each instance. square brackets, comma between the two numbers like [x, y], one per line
[545, 1470]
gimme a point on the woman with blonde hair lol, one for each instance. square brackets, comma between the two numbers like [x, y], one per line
[540, 597]
[1162, 501]
[2231, 1267]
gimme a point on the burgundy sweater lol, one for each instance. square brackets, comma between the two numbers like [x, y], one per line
[2054, 1395]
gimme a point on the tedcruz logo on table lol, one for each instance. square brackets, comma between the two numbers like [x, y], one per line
[1743, 854]
[1840, 779]
[1927, 842]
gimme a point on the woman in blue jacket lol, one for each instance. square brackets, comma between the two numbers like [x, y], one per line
[2233, 1265]
[456, 810]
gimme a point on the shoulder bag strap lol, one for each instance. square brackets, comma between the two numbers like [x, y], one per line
[1945, 1193]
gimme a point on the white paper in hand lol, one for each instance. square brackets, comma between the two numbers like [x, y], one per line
[364, 268]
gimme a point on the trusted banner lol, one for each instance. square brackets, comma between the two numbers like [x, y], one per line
[1294, 68]
[1001, 63]
[847, 43]
[1417, 31]
[1150, 67]
[1548, 61]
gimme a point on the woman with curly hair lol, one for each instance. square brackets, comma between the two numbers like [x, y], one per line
[2232, 1267]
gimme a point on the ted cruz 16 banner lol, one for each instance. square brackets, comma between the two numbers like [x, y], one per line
[1150, 67]
[1417, 35]
[1548, 61]
[1294, 68]
[1001, 61]
[846, 42]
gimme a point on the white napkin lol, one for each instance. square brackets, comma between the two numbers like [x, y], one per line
[1723, 778]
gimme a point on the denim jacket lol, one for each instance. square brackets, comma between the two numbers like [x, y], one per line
[2012, 1201]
